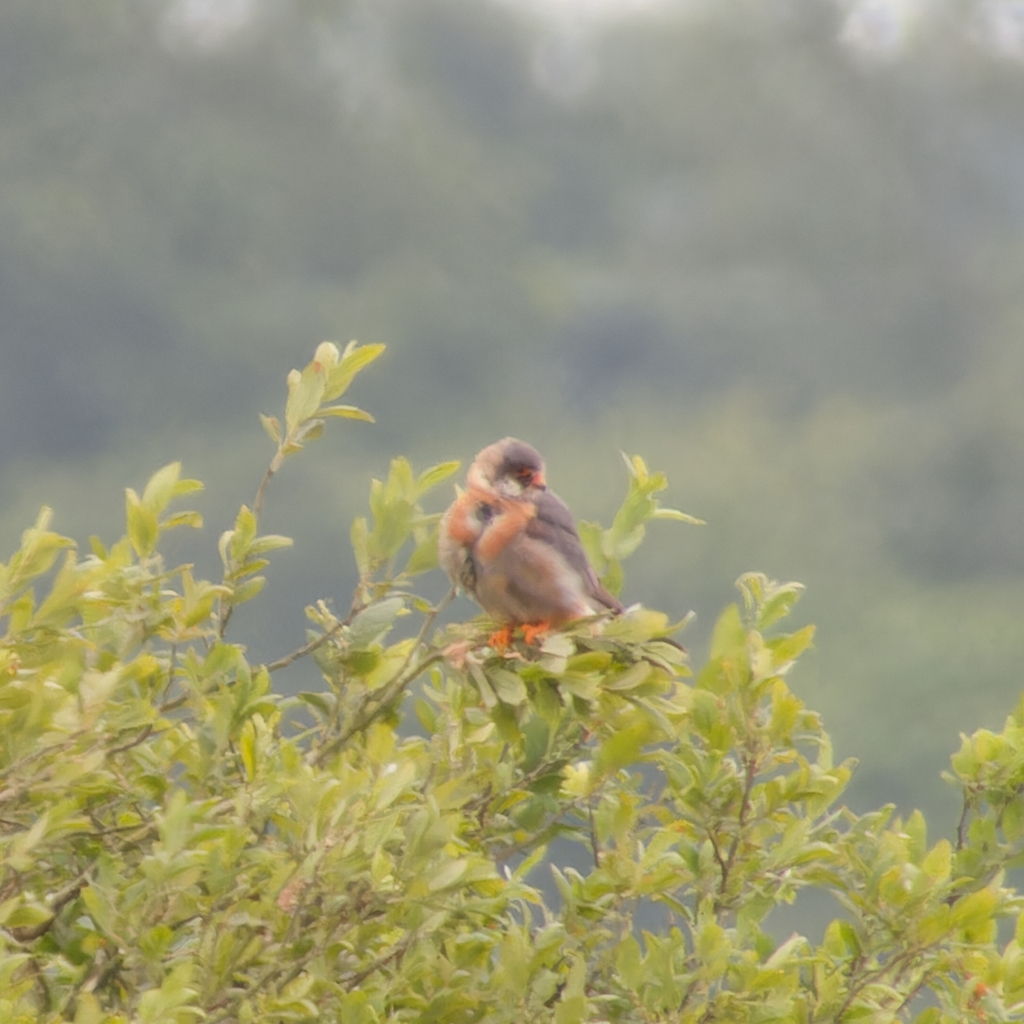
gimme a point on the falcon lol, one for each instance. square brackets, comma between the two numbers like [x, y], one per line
[512, 544]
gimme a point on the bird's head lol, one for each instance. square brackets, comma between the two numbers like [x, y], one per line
[510, 467]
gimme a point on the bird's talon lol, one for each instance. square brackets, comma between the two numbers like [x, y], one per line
[534, 633]
[500, 639]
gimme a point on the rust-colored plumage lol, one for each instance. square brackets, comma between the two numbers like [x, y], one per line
[512, 544]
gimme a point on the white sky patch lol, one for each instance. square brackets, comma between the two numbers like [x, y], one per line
[564, 64]
[594, 9]
[882, 27]
[207, 24]
[1000, 27]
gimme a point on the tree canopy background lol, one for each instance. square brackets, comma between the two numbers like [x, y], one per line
[774, 247]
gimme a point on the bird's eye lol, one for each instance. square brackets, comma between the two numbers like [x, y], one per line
[485, 511]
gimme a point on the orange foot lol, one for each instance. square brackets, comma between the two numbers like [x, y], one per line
[500, 639]
[533, 633]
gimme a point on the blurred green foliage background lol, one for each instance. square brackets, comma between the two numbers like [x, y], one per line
[776, 247]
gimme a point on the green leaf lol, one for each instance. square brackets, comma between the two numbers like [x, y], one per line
[348, 412]
[424, 556]
[374, 621]
[248, 590]
[272, 425]
[938, 863]
[27, 916]
[243, 534]
[160, 488]
[592, 538]
[191, 519]
[305, 393]
[613, 578]
[247, 749]
[360, 536]
[975, 909]
[572, 1007]
[391, 529]
[100, 909]
[680, 517]
[354, 358]
[39, 550]
[269, 542]
[143, 528]
[536, 739]
[157, 1005]
[765, 600]
[326, 357]
[623, 747]
[449, 875]
[508, 686]
[629, 963]
[430, 478]
[636, 675]
[321, 702]
[571, 1010]
[787, 649]
[308, 430]
[728, 640]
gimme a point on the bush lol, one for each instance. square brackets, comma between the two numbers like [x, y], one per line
[181, 843]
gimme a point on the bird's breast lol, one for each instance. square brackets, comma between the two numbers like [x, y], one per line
[508, 523]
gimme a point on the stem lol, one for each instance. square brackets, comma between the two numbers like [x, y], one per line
[384, 700]
[403, 678]
[304, 650]
[595, 846]
[140, 738]
[961, 828]
[275, 465]
[225, 618]
[354, 980]
[172, 660]
[257, 507]
[750, 764]
[60, 901]
[893, 969]
[391, 692]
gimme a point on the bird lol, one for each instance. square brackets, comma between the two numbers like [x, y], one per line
[460, 528]
[508, 467]
[512, 544]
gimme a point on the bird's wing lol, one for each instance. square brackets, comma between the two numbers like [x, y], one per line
[554, 525]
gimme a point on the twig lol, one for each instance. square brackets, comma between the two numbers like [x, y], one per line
[173, 705]
[356, 979]
[428, 622]
[60, 901]
[171, 662]
[141, 738]
[384, 700]
[402, 679]
[730, 860]
[961, 829]
[275, 465]
[304, 650]
[257, 507]
[225, 618]
[893, 968]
